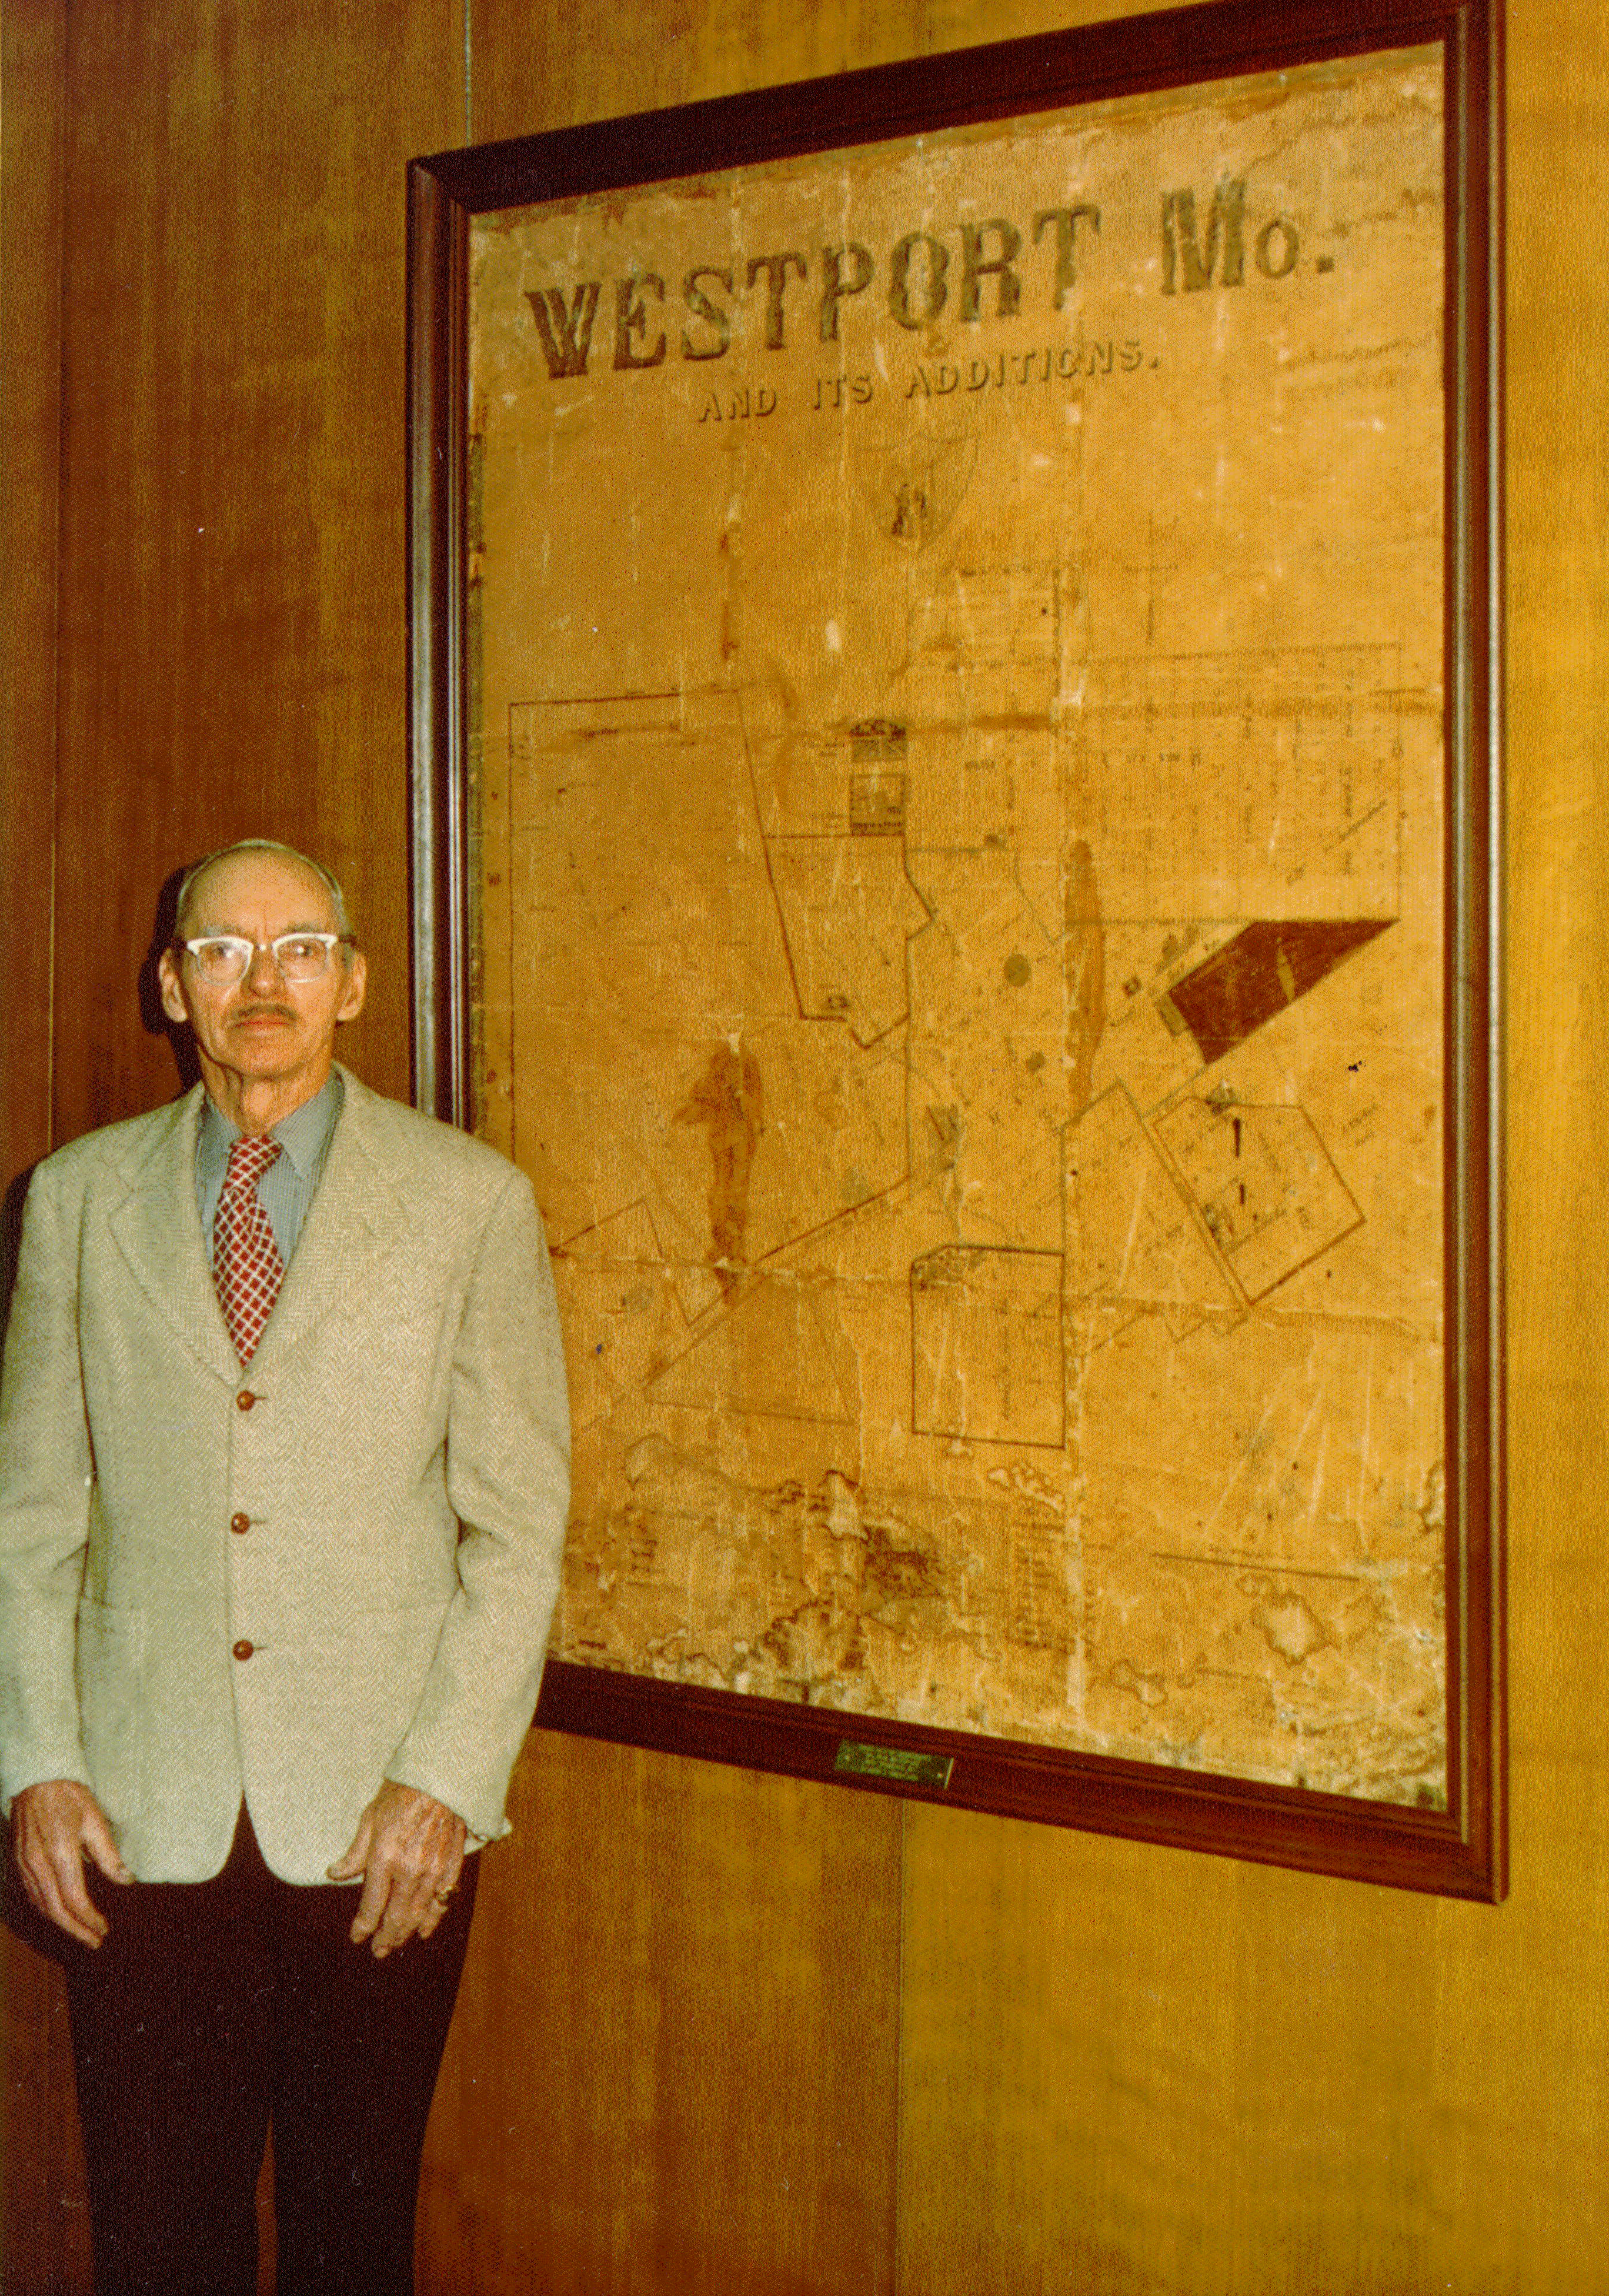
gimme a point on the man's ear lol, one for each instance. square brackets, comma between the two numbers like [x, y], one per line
[357, 982]
[173, 996]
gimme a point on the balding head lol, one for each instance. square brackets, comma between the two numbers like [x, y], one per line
[187, 919]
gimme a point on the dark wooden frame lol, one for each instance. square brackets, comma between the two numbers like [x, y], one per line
[1463, 1851]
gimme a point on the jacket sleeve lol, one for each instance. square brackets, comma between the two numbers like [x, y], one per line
[508, 1482]
[46, 1477]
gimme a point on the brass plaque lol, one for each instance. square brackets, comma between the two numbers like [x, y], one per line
[902, 1765]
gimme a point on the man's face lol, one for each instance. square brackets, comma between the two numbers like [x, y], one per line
[262, 1027]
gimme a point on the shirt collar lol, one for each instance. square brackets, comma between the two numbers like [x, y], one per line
[303, 1136]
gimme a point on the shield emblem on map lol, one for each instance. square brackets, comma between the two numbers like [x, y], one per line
[915, 490]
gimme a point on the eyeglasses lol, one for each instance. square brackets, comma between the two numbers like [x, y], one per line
[223, 958]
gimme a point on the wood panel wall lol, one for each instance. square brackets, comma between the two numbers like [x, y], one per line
[722, 2032]
[37, 2131]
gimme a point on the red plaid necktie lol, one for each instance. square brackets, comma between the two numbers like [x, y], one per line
[246, 1265]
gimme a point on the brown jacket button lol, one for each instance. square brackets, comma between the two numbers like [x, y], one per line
[244, 1400]
[239, 1522]
[242, 1650]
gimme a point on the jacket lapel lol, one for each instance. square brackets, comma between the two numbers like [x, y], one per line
[356, 1216]
[157, 1229]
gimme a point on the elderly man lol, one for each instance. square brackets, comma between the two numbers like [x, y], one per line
[283, 1471]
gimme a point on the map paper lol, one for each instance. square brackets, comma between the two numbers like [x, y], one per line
[959, 845]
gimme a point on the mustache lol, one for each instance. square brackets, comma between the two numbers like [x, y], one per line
[264, 1011]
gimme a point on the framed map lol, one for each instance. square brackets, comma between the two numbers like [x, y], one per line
[955, 686]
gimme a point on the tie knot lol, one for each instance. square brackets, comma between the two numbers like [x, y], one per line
[250, 1157]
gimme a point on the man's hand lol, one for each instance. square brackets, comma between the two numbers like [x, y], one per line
[54, 1827]
[409, 1850]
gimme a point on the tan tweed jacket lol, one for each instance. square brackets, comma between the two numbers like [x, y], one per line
[293, 1581]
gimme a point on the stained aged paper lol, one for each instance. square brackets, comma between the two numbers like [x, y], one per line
[959, 792]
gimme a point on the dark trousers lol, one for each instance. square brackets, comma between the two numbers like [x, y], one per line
[217, 2007]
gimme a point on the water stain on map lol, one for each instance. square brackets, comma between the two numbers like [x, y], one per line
[728, 1100]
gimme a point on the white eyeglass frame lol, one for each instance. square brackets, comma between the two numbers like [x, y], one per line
[329, 941]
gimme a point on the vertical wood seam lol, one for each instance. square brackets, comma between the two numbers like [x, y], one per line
[58, 477]
[896, 2275]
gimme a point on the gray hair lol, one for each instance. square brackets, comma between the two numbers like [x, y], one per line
[262, 845]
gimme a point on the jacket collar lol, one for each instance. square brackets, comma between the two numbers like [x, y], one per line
[158, 1230]
[357, 1214]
